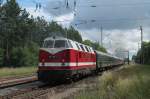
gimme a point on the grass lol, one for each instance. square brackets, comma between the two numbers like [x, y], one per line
[17, 72]
[131, 82]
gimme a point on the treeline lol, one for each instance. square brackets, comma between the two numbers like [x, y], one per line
[21, 35]
[143, 55]
[95, 45]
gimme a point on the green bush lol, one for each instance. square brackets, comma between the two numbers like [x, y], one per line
[130, 82]
[145, 53]
[95, 45]
[1, 56]
[31, 54]
[17, 56]
[25, 56]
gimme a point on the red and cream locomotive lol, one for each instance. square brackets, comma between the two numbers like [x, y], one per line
[61, 58]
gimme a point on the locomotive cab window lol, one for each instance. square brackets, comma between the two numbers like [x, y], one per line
[48, 44]
[61, 44]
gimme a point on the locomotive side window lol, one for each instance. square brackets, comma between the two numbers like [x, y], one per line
[48, 44]
[61, 44]
[70, 45]
[91, 50]
[87, 49]
[82, 47]
[78, 46]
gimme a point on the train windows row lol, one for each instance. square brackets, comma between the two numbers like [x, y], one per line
[66, 43]
[83, 48]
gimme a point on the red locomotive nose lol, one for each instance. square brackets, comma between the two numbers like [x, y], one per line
[43, 62]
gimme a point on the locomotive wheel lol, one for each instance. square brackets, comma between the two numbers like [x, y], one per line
[68, 81]
[75, 78]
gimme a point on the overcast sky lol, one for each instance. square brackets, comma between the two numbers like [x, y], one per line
[120, 19]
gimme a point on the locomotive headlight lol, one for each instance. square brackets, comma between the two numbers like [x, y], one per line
[43, 62]
[63, 62]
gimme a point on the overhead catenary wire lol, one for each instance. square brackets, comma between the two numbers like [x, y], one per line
[101, 20]
[114, 5]
[102, 5]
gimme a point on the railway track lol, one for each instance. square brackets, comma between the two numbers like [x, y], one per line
[17, 81]
[38, 90]
[11, 91]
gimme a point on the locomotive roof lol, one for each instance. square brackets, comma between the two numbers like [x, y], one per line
[63, 38]
[72, 41]
[55, 38]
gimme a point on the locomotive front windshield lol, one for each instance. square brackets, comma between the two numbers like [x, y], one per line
[56, 44]
[61, 44]
[48, 44]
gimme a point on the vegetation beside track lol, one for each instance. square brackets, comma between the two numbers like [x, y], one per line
[131, 82]
[17, 72]
[143, 55]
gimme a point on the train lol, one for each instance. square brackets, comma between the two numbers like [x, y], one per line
[61, 59]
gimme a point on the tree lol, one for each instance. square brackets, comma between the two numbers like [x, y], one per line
[1, 56]
[73, 34]
[88, 42]
[15, 28]
[143, 55]
[10, 13]
[95, 45]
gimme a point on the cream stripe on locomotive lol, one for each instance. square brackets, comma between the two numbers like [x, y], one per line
[67, 64]
[54, 50]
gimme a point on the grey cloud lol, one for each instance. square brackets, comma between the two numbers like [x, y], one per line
[59, 7]
[118, 39]
[118, 14]
[120, 19]
[146, 33]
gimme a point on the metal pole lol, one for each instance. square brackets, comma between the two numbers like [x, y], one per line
[141, 28]
[138, 46]
[101, 36]
[128, 58]
[66, 34]
[142, 58]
